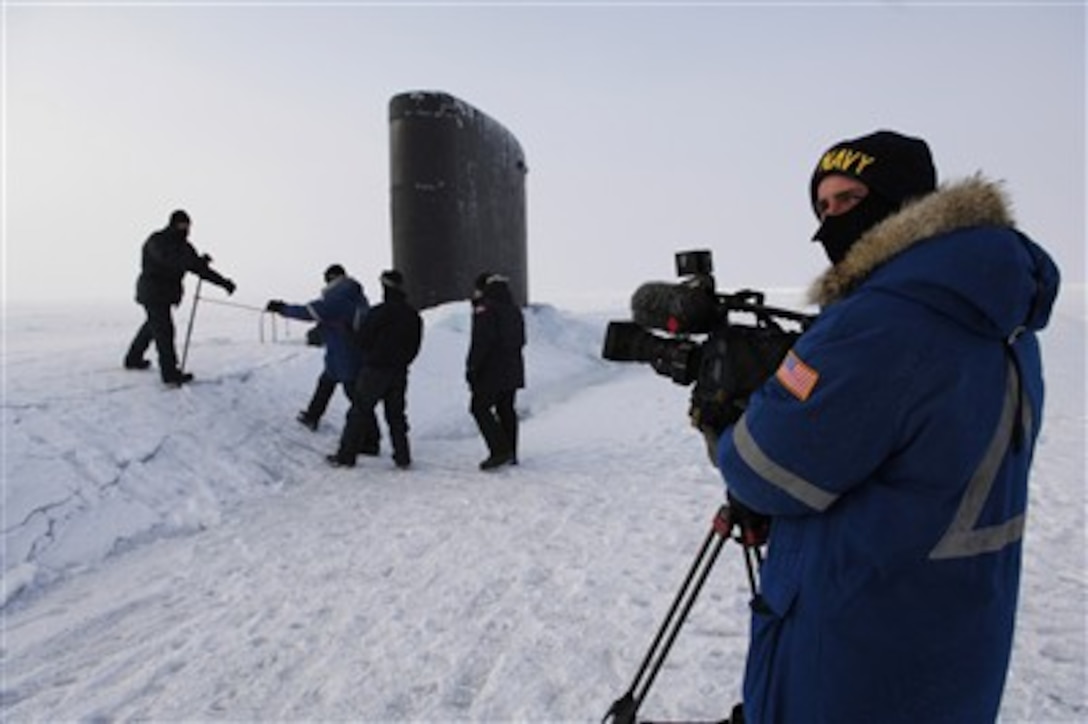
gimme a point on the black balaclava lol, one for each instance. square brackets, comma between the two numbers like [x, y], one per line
[177, 218]
[480, 284]
[392, 285]
[838, 233]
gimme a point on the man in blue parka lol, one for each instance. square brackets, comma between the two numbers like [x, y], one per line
[891, 451]
[339, 312]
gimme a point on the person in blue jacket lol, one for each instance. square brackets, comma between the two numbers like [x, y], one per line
[891, 451]
[338, 312]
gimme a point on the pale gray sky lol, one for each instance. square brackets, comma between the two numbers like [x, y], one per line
[647, 129]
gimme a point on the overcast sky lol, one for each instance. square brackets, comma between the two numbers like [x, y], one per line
[647, 129]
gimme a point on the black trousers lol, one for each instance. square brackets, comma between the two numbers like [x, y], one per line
[158, 328]
[319, 402]
[374, 385]
[497, 419]
[323, 393]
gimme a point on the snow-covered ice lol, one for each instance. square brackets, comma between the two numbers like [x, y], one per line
[188, 555]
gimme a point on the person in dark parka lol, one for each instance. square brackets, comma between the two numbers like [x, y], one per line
[495, 368]
[338, 312]
[166, 257]
[390, 338]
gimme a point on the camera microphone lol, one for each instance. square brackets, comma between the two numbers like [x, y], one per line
[684, 308]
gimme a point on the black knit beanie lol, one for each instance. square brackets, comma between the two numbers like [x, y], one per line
[392, 279]
[334, 271]
[895, 167]
[481, 280]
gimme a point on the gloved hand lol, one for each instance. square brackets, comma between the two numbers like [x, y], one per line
[229, 286]
[754, 527]
[207, 258]
[275, 305]
[712, 418]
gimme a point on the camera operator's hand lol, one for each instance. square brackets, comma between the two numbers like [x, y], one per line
[754, 527]
[711, 419]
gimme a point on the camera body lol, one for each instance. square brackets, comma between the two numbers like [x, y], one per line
[686, 331]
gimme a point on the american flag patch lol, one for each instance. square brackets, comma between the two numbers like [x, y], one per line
[797, 377]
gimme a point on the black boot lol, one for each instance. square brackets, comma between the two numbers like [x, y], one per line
[339, 461]
[177, 379]
[497, 460]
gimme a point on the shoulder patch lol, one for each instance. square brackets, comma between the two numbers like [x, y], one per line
[797, 377]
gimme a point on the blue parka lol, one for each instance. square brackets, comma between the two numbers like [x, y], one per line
[892, 450]
[335, 313]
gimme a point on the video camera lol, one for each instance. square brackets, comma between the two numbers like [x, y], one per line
[725, 360]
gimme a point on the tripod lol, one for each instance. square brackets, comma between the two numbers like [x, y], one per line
[724, 527]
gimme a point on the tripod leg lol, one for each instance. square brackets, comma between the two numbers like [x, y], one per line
[679, 622]
[189, 331]
[624, 709]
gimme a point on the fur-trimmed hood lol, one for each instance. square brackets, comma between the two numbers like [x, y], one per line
[970, 202]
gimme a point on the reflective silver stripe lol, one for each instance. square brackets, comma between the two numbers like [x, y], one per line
[790, 483]
[963, 539]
